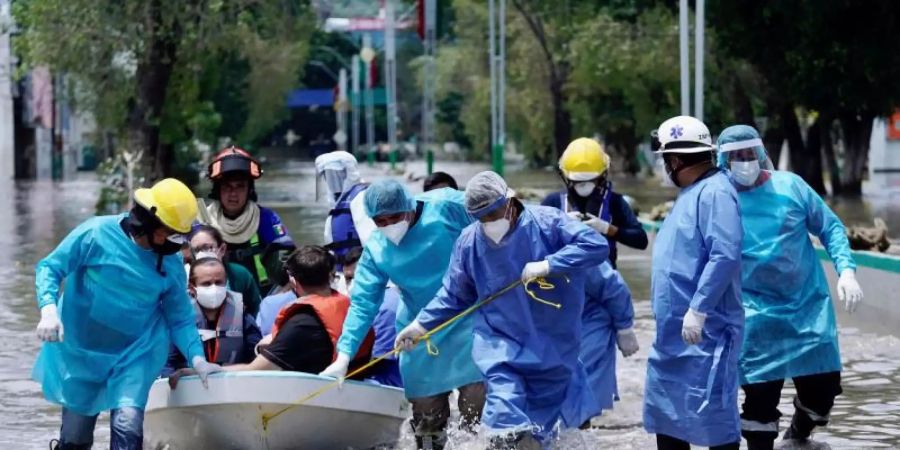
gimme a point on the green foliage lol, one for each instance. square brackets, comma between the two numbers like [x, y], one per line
[225, 67]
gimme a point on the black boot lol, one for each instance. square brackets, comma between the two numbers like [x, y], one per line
[56, 444]
[515, 441]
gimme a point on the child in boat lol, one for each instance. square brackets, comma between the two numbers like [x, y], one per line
[305, 331]
[229, 334]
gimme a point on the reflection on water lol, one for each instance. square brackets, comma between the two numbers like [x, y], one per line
[37, 215]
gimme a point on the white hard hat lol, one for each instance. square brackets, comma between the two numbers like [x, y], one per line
[684, 134]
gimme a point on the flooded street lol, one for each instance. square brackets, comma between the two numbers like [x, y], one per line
[37, 215]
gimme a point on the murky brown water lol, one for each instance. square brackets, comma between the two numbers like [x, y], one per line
[37, 215]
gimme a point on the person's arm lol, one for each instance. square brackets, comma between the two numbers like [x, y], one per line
[626, 228]
[616, 298]
[719, 222]
[581, 247]
[52, 270]
[327, 231]
[179, 317]
[280, 234]
[252, 335]
[457, 292]
[366, 296]
[552, 200]
[822, 222]
[258, 363]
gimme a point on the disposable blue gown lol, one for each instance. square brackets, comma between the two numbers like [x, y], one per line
[526, 350]
[607, 309]
[691, 390]
[791, 329]
[416, 266]
[117, 313]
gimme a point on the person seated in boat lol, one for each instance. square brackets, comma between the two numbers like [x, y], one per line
[306, 331]
[438, 180]
[387, 371]
[207, 241]
[229, 334]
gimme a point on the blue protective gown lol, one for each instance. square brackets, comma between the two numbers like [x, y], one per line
[691, 390]
[117, 313]
[416, 266]
[607, 309]
[791, 329]
[526, 350]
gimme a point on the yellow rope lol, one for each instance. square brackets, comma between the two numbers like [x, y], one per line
[542, 283]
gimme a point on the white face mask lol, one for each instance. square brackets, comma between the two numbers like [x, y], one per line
[206, 254]
[584, 189]
[395, 232]
[497, 229]
[210, 297]
[745, 173]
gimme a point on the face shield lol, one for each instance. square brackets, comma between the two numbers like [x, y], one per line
[331, 182]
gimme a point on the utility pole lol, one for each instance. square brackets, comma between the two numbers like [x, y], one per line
[390, 75]
[341, 134]
[367, 54]
[497, 59]
[428, 85]
[355, 103]
[684, 56]
[699, 48]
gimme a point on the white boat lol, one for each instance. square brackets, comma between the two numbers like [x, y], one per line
[230, 414]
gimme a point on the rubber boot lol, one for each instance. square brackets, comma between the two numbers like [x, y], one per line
[795, 440]
[56, 444]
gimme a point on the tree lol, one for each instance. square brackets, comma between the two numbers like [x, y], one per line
[152, 69]
[830, 57]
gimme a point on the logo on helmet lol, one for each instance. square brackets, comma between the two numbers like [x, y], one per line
[676, 132]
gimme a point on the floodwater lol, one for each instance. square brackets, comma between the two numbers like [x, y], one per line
[38, 214]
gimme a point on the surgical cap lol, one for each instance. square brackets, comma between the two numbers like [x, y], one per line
[388, 197]
[739, 137]
[485, 192]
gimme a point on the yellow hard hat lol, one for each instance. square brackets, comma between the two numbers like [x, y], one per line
[583, 160]
[171, 202]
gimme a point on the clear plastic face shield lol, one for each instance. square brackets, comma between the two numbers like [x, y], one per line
[330, 182]
[744, 160]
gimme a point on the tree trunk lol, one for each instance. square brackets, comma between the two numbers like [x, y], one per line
[813, 158]
[857, 130]
[795, 140]
[153, 72]
[744, 109]
[830, 159]
[562, 119]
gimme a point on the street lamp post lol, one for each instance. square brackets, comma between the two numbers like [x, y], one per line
[367, 55]
[354, 111]
[390, 72]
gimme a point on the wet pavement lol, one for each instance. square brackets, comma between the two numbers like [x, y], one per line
[38, 215]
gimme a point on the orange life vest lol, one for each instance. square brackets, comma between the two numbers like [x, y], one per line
[331, 311]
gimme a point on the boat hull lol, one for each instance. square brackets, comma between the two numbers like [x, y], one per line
[229, 415]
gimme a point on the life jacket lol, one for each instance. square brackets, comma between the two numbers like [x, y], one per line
[602, 211]
[331, 311]
[250, 255]
[343, 232]
[225, 344]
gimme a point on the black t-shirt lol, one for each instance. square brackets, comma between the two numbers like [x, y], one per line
[301, 345]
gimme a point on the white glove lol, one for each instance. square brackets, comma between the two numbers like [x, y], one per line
[50, 329]
[597, 223]
[337, 369]
[407, 337]
[627, 342]
[204, 368]
[575, 215]
[692, 328]
[535, 270]
[848, 290]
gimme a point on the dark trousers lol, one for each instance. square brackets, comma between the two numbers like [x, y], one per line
[666, 442]
[813, 403]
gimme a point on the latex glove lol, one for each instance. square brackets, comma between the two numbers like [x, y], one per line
[337, 369]
[849, 291]
[407, 337]
[692, 328]
[627, 342]
[535, 270]
[575, 215]
[50, 329]
[598, 224]
[204, 368]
